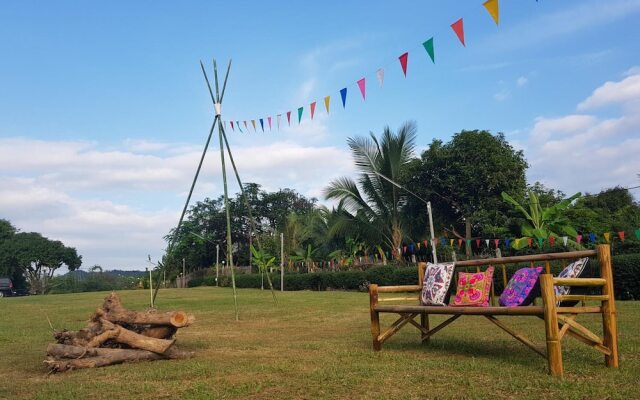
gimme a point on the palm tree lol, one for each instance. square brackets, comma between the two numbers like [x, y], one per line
[372, 206]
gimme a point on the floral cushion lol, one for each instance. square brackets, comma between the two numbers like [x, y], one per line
[520, 289]
[473, 289]
[437, 279]
[573, 270]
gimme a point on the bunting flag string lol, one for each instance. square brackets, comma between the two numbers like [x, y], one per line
[492, 8]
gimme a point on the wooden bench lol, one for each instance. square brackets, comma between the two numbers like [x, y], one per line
[558, 321]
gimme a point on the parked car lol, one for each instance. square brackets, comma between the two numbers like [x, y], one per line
[6, 287]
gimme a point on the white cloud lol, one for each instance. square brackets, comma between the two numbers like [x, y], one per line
[115, 206]
[589, 152]
[502, 95]
[623, 91]
[521, 81]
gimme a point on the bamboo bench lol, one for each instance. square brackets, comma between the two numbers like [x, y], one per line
[558, 321]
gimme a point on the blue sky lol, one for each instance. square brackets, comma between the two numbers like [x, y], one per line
[104, 110]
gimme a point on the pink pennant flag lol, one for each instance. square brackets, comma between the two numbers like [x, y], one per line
[579, 239]
[458, 28]
[621, 236]
[269, 119]
[380, 76]
[363, 88]
[232, 128]
[313, 109]
[403, 62]
[460, 242]
[496, 242]
[289, 118]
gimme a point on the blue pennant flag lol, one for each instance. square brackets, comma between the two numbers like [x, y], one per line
[262, 124]
[343, 94]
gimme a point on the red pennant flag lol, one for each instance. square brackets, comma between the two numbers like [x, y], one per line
[232, 128]
[621, 236]
[403, 62]
[478, 243]
[458, 28]
[269, 119]
[579, 239]
[361, 85]
[313, 109]
[529, 241]
[460, 241]
[289, 118]
[405, 249]
[552, 240]
[426, 244]
[496, 242]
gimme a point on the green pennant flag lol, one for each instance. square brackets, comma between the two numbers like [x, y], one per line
[428, 46]
[300, 114]
[540, 240]
[638, 233]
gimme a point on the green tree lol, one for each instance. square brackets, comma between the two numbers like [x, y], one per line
[373, 205]
[464, 178]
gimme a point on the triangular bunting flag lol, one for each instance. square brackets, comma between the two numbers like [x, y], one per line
[443, 241]
[478, 243]
[517, 243]
[507, 242]
[269, 119]
[289, 118]
[529, 241]
[493, 9]
[253, 122]
[540, 241]
[428, 46]
[458, 28]
[460, 241]
[343, 94]
[426, 244]
[238, 125]
[579, 238]
[363, 88]
[232, 128]
[313, 109]
[246, 126]
[327, 102]
[300, 110]
[621, 236]
[565, 240]
[638, 234]
[451, 242]
[403, 62]
[487, 242]
[496, 242]
[278, 120]
[607, 236]
[380, 76]
[552, 241]
[592, 237]
[262, 124]
[469, 242]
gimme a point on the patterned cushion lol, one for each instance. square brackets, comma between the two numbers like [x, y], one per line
[437, 278]
[572, 270]
[520, 289]
[473, 289]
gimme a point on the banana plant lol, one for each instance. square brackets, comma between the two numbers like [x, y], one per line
[264, 262]
[543, 222]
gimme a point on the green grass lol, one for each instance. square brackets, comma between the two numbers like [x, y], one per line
[313, 345]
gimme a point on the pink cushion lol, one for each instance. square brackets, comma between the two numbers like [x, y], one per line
[473, 289]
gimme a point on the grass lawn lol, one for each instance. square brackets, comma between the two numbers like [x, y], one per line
[312, 345]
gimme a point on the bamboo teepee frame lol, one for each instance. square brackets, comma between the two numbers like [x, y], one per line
[217, 99]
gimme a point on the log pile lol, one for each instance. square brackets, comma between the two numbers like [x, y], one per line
[115, 335]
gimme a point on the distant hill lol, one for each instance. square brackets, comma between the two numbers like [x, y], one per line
[82, 274]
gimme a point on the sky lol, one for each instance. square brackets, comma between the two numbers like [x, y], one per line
[104, 110]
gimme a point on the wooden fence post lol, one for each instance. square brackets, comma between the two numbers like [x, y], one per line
[554, 350]
[609, 319]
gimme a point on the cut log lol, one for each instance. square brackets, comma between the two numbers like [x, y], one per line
[122, 335]
[78, 338]
[114, 312]
[61, 351]
[159, 332]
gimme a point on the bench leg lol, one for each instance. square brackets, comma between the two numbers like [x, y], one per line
[609, 320]
[424, 323]
[375, 317]
[554, 350]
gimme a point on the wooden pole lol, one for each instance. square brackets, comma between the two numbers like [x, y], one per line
[433, 245]
[217, 263]
[609, 318]
[282, 262]
[554, 350]
[375, 317]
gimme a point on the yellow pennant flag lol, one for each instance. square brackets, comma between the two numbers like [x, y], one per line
[607, 235]
[493, 9]
[253, 122]
[327, 100]
[451, 242]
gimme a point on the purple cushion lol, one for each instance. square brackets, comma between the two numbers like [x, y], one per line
[520, 289]
[437, 279]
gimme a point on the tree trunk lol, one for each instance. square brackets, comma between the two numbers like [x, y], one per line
[467, 236]
[114, 312]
